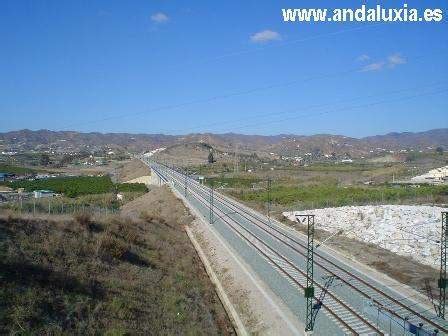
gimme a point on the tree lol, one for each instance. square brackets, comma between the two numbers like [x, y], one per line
[45, 159]
[211, 158]
[439, 150]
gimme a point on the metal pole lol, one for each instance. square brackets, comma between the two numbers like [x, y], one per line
[269, 199]
[211, 203]
[309, 289]
[309, 273]
[442, 280]
[186, 178]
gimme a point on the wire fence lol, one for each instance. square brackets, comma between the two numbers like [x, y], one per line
[53, 206]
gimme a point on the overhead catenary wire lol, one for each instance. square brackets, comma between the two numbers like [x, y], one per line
[386, 296]
[218, 97]
[344, 109]
[294, 41]
[226, 96]
[277, 45]
[238, 121]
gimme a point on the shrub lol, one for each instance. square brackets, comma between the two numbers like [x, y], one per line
[70, 186]
[84, 219]
[110, 247]
[128, 187]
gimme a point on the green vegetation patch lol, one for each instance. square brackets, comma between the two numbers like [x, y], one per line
[341, 167]
[5, 168]
[92, 203]
[76, 186]
[232, 182]
[333, 195]
[132, 187]
[69, 186]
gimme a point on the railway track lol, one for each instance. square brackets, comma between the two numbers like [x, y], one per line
[340, 311]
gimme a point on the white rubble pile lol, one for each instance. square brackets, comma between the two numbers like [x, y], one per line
[436, 176]
[154, 151]
[408, 230]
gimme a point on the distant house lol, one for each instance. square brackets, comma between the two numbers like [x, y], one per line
[43, 193]
[5, 176]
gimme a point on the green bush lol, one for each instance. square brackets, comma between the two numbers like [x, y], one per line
[4, 168]
[333, 195]
[132, 187]
[69, 186]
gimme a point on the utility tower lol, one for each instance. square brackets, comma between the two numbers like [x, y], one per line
[442, 279]
[186, 180]
[236, 159]
[269, 199]
[309, 289]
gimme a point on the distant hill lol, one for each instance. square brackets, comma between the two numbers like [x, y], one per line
[70, 140]
[287, 145]
[436, 137]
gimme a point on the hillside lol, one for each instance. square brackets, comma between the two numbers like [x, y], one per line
[131, 275]
[70, 141]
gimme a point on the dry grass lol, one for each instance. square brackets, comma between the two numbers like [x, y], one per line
[111, 275]
[132, 170]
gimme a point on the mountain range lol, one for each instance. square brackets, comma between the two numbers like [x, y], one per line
[283, 144]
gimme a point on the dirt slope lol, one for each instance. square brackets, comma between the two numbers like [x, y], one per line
[133, 275]
[132, 170]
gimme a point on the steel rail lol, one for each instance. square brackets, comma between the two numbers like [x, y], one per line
[224, 200]
[339, 301]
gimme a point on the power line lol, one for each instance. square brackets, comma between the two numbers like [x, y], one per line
[295, 41]
[344, 109]
[226, 96]
[219, 97]
[289, 111]
[276, 45]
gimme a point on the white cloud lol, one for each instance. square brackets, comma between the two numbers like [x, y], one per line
[159, 17]
[265, 36]
[363, 58]
[391, 62]
[373, 66]
[396, 59]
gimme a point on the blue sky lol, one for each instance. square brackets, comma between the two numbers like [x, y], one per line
[217, 66]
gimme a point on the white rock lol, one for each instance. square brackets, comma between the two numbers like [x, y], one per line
[407, 230]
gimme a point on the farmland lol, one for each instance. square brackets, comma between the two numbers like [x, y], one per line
[324, 185]
[76, 186]
[18, 170]
[331, 195]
